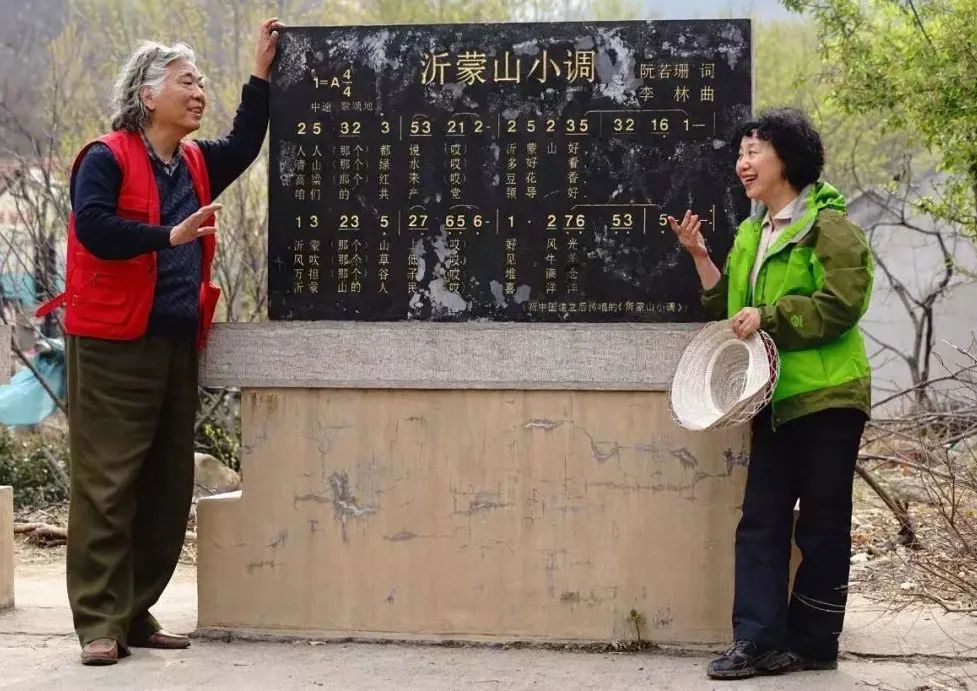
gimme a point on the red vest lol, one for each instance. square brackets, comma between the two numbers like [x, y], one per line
[112, 298]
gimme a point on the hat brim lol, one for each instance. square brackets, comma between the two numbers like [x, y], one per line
[722, 380]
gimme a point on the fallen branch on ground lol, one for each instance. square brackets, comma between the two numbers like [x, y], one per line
[42, 534]
[49, 535]
[947, 607]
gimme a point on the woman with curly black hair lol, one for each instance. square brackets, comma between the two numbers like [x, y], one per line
[802, 272]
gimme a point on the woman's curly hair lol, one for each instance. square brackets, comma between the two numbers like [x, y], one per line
[795, 140]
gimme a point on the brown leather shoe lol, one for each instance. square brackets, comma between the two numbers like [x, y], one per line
[163, 640]
[101, 651]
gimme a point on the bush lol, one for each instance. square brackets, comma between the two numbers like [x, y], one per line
[218, 442]
[25, 462]
[219, 426]
[24, 465]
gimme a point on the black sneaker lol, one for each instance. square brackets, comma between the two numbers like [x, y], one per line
[799, 663]
[745, 659]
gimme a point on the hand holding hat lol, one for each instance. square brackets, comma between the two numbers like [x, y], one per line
[746, 322]
[722, 379]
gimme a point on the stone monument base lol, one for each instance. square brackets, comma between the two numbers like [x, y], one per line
[473, 514]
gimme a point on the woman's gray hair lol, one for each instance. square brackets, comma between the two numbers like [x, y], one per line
[146, 67]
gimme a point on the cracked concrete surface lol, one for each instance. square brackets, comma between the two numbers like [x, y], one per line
[524, 518]
[885, 650]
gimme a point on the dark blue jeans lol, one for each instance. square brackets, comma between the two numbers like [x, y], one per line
[812, 459]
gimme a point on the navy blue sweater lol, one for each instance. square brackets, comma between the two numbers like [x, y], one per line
[95, 194]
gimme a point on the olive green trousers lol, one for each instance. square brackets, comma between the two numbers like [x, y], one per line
[131, 406]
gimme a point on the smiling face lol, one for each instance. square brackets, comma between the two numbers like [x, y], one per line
[181, 99]
[760, 169]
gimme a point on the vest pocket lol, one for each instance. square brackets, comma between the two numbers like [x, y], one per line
[114, 294]
[110, 299]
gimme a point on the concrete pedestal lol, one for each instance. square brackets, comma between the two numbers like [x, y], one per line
[551, 508]
[6, 547]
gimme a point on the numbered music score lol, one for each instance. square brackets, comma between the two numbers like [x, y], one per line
[479, 172]
[594, 123]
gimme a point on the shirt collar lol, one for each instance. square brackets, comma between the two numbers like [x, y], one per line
[786, 214]
[168, 168]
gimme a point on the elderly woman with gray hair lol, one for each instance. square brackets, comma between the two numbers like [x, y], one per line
[138, 302]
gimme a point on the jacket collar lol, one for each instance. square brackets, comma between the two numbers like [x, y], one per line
[803, 215]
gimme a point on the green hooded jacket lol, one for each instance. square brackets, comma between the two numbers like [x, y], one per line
[812, 289]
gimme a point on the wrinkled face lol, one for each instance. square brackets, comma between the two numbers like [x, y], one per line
[181, 100]
[759, 168]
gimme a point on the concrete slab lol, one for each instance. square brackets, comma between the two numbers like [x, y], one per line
[878, 630]
[39, 651]
[42, 603]
[217, 665]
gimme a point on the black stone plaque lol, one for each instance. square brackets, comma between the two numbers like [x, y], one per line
[516, 172]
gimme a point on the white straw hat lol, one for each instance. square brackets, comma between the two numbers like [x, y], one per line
[722, 380]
